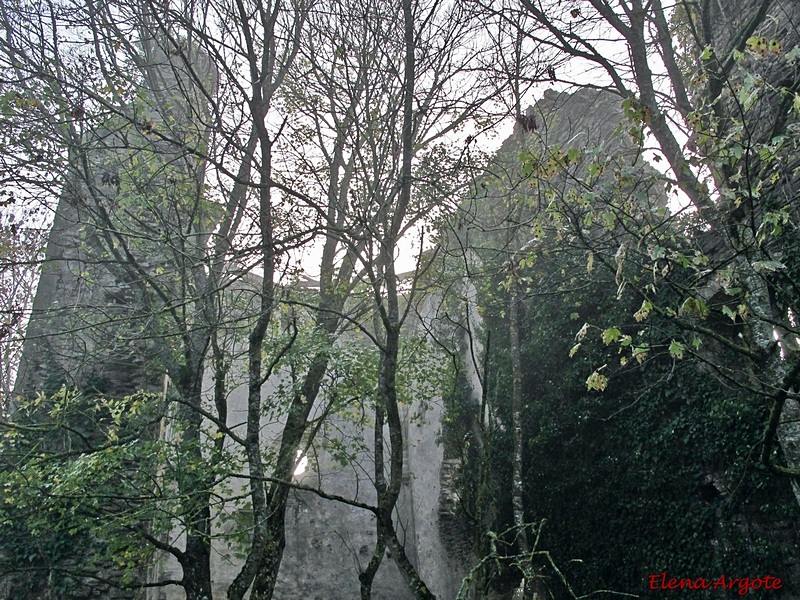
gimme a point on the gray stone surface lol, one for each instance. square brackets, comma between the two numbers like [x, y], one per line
[92, 320]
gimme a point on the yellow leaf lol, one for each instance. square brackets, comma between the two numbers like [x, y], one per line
[597, 381]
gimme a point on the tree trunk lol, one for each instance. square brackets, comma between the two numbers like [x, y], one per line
[196, 513]
[517, 486]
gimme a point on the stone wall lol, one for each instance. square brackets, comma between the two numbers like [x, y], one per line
[89, 326]
[92, 320]
[328, 543]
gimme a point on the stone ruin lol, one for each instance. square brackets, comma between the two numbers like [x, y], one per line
[74, 338]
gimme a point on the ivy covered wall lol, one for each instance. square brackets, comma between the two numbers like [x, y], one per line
[639, 456]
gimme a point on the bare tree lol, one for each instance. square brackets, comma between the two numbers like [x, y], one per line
[376, 108]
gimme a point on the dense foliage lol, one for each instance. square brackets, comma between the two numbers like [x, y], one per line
[657, 473]
[73, 508]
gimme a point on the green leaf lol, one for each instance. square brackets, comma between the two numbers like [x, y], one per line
[764, 266]
[612, 334]
[640, 353]
[694, 306]
[676, 349]
[573, 155]
[574, 350]
[749, 92]
[757, 44]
